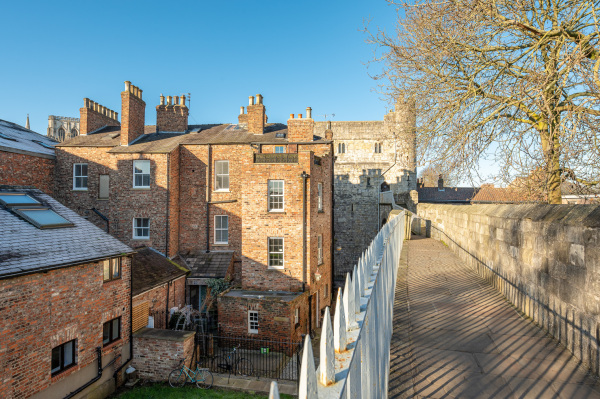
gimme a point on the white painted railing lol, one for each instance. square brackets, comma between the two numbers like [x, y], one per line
[354, 356]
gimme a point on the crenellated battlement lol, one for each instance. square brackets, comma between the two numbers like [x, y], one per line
[102, 110]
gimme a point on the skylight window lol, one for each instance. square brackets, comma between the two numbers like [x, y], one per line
[17, 199]
[43, 218]
[43, 144]
[280, 135]
[5, 137]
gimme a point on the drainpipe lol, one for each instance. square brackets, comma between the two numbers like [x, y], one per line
[332, 241]
[97, 212]
[168, 195]
[167, 307]
[304, 176]
[115, 374]
[90, 382]
[208, 181]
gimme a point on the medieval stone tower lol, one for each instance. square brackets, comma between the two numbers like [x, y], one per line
[371, 156]
[62, 128]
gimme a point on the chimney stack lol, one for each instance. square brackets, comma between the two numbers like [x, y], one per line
[243, 118]
[173, 116]
[301, 129]
[257, 117]
[93, 116]
[133, 114]
[440, 183]
[328, 132]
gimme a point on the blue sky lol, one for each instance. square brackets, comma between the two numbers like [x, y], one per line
[296, 54]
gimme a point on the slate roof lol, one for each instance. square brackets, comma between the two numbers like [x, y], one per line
[150, 269]
[26, 249]
[165, 142]
[21, 140]
[209, 265]
[449, 195]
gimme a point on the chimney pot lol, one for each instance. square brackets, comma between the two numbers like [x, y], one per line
[162, 99]
[328, 125]
[182, 102]
[259, 99]
[169, 100]
[299, 116]
[241, 110]
[127, 85]
[116, 116]
[251, 100]
[309, 112]
[291, 116]
[86, 102]
[140, 93]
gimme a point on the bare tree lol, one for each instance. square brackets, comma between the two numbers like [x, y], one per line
[512, 80]
[431, 173]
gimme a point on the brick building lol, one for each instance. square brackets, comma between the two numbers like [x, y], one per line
[26, 157]
[65, 300]
[262, 191]
[158, 284]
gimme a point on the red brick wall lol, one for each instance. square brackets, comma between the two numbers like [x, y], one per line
[171, 118]
[156, 358]
[124, 201]
[27, 170]
[133, 114]
[256, 118]
[301, 129]
[43, 310]
[90, 120]
[157, 297]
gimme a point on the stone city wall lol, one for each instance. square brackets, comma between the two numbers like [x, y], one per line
[545, 259]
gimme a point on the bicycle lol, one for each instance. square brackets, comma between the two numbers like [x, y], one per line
[241, 366]
[201, 376]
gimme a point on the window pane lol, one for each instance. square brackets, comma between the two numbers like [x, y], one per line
[56, 360]
[84, 170]
[106, 333]
[116, 268]
[225, 182]
[106, 270]
[146, 180]
[115, 329]
[44, 217]
[141, 167]
[138, 180]
[23, 199]
[69, 359]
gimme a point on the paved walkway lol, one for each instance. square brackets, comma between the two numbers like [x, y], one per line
[456, 336]
[249, 384]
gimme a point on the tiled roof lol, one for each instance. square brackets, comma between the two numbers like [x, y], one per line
[21, 140]
[450, 194]
[26, 249]
[209, 265]
[498, 195]
[151, 268]
[158, 142]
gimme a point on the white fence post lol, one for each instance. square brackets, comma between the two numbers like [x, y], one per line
[326, 352]
[274, 391]
[339, 324]
[308, 374]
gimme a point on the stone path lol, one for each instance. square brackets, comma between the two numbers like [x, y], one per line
[456, 336]
[249, 384]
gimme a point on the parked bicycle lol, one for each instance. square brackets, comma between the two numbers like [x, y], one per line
[231, 363]
[201, 376]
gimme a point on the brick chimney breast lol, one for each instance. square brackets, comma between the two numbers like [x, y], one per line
[172, 116]
[133, 113]
[301, 129]
[93, 116]
[257, 116]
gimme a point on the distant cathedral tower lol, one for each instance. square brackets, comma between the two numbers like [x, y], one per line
[62, 128]
[27, 123]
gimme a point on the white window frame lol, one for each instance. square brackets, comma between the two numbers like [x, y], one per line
[320, 196]
[250, 322]
[135, 236]
[319, 249]
[221, 174]
[282, 149]
[282, 253]
[221, 229]
[145, 162]
[276, 196]
[297, 316]
[82, 176]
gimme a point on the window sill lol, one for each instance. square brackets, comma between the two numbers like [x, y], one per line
[140, 188]
[221, 191]
[275, 268]
[111, 280]
[221, 244]
[102, 199]
[321, 211]
[141, 238]
[79, 189]
[274, 211]
[63, 371]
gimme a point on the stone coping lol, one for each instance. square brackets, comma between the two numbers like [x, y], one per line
[167, 335]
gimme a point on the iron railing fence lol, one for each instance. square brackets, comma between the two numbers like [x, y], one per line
[259, 358]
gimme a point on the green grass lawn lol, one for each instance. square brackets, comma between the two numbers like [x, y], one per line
[163, 391]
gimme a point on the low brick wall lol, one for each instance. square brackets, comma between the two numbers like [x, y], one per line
[544, 258]
[157, 352]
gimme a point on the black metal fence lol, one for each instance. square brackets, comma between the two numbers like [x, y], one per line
[275, 359]
[163, 319]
